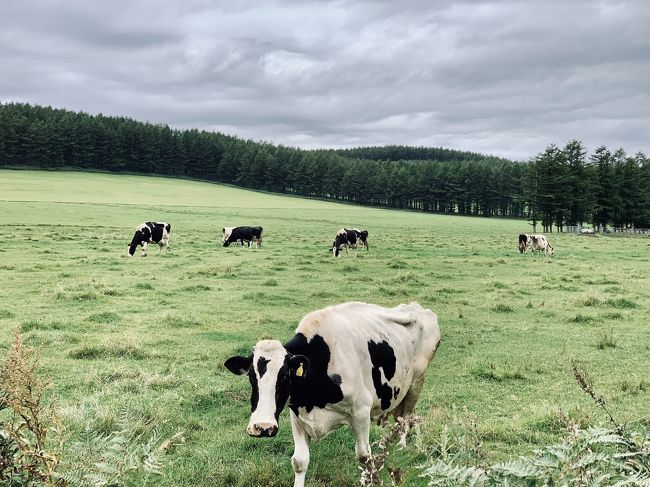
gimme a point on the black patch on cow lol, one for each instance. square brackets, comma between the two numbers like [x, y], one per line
[352, 237]
[396, 392]
[382, 356]
[156, 231]
[315, 389]
[282, 388]
[255, 392]
[261, 366]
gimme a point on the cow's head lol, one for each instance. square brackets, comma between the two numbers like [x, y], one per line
[271, 369]
[139, 237]
[335, 248]
[551, 252]
[226, 231]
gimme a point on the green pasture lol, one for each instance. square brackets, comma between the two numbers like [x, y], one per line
[146, 338]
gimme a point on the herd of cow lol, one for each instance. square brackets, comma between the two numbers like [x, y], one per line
[158, 232]
[348, 364]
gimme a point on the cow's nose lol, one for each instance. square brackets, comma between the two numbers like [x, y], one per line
[263, 430]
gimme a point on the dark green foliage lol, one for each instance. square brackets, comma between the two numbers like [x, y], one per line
[560, 186]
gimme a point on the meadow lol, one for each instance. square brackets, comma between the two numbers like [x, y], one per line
[143, 340]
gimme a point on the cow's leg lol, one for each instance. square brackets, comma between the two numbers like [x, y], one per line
[361, 428]
[144, 249]
[300, 458]
[407, 407]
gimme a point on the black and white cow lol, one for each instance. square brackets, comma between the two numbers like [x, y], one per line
[348, 364]
[242, 234]
[349, 238]
[156, 232]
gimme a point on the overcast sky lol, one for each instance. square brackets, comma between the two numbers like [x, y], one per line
[503, 77]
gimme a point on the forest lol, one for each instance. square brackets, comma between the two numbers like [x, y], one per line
[563, 185]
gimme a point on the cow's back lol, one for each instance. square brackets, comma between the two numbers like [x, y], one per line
[375, 350]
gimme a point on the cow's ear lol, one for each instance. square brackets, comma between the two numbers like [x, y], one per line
[239, 365]
[299, 365]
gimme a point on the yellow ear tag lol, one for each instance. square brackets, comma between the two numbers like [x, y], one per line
[299, 371]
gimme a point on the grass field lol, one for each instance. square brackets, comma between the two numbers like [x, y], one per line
[145, 338]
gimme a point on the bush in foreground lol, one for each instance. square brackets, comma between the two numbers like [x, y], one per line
[592, 456]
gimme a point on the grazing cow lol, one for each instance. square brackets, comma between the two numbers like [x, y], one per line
[536, 242]
[156, 232]
[242, 234]
[348, 364]
[349, 238]
[523, 242]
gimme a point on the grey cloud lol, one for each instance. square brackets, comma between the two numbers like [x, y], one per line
[505, 77]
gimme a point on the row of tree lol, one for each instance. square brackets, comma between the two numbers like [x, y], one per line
[565, 186]
[558, 187]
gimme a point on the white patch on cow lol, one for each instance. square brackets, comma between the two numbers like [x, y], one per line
[264, 414]
[226, 234]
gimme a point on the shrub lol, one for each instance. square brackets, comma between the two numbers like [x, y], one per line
[30, 433]
[598, 456]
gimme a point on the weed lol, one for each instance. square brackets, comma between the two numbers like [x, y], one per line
[606, 339]
[622, 303]
[503, 308]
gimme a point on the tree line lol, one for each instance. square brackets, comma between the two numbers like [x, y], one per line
[560, 186]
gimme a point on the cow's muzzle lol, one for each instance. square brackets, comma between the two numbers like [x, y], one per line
[262, 430]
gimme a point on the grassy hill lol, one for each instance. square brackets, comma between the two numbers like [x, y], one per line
[142, 341]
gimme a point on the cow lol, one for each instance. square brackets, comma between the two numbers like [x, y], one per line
[349, 238]
[536, 242]
[347, 364]
[242, 234]
[523, 243]
[156, 232]
[540, 243]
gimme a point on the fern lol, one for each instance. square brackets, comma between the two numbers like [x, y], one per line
[591, 457]
[132, 455]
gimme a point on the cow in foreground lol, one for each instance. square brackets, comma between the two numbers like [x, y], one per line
[348, 364]
[156, 232]
[536, 242]
[249, 235]
[349, 238]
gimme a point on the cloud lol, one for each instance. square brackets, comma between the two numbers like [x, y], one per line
[504, 77]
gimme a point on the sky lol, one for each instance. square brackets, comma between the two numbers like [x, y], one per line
[502, 77]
